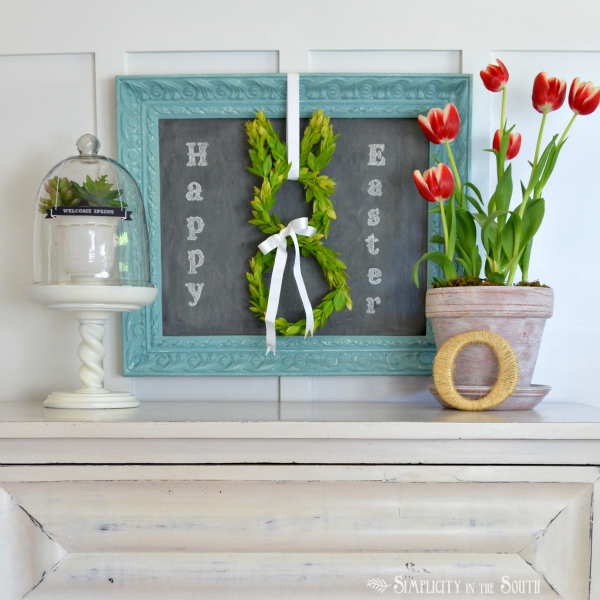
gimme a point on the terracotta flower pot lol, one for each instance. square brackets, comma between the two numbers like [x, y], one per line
[518, 314]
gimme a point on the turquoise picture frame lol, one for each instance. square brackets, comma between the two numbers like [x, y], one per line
[143, 100]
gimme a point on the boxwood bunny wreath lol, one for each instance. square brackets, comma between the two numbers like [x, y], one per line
[269, 161]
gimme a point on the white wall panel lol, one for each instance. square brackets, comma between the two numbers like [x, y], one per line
[187, 63]
[385, 61]
[206, 388]
[373, 389]
[46, 103]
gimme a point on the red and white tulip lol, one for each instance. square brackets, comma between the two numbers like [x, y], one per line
[583, 97]
[435, 184]
[495, 77]
[441, 126]
[548, 93]
[514, 144]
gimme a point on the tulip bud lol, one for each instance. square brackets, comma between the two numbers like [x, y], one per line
[436, 184]
[548, 93]
[495, 78]
[441, 126]
[583, 97]
[514, 144]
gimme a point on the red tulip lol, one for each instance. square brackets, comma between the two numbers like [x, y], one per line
[436, 184]
[495, 78]
[514, 144]
[548, 93]
[440, 126]
[583, 97]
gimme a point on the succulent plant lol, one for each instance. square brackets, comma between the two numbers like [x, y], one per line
[60, 193]
[98, 193]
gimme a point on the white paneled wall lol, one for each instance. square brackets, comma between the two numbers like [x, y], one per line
[44, 100]
[384, 61]
[58, 61]
[184, 63]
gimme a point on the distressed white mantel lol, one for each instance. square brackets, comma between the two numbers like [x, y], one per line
[180, 501]
[299, 432]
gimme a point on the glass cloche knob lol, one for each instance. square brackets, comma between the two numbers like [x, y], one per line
[88, 145]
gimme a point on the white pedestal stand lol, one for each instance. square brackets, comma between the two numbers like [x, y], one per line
[92, 307]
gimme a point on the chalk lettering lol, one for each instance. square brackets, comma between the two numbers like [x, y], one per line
[376, 158]
[371, 241]
[194, 191]
[373, 217]
[375, 188]
[195, 290]
[200, 155]
[371, 302]
[374, 276]
[195, 226]
[196, 258]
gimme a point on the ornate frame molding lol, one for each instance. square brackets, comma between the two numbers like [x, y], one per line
[142, 101]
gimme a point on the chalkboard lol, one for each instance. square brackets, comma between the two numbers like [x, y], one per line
[184, 141]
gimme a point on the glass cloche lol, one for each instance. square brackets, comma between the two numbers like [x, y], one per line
[90, 225]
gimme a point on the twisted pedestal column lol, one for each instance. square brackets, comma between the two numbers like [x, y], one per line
[92, 393]
[92, 307]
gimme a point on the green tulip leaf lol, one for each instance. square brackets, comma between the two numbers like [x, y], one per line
[484, 223]
[503, 194]
[441, 260]
[552, 158]
[532, 219]
[437, 239]
[496, 277]
[476, 261]
[466, 229]
[467, 266]
[451, 216]
[524, 261]
[539, 168]
[510, 233]
[475, 204]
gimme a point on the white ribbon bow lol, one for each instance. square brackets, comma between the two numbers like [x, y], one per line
[279, 241]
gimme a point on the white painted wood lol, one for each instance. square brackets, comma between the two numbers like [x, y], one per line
[47, 102]
[303, 451]
[27, 552]
[327, 420]
[309, 433]
[184, 63]
[357, 389]
[329, 473]
[259, 576]
[386, 61]
[282, 516]
[595, 570]
[295, 389]
[212, 531]
[546, 553]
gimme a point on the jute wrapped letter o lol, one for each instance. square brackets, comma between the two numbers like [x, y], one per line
[508, 370]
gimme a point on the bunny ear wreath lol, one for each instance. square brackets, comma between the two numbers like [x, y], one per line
[269, 161]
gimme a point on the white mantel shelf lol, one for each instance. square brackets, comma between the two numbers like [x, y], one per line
[298, 432]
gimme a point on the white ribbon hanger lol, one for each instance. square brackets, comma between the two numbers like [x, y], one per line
[292, 139]
[279, 241]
